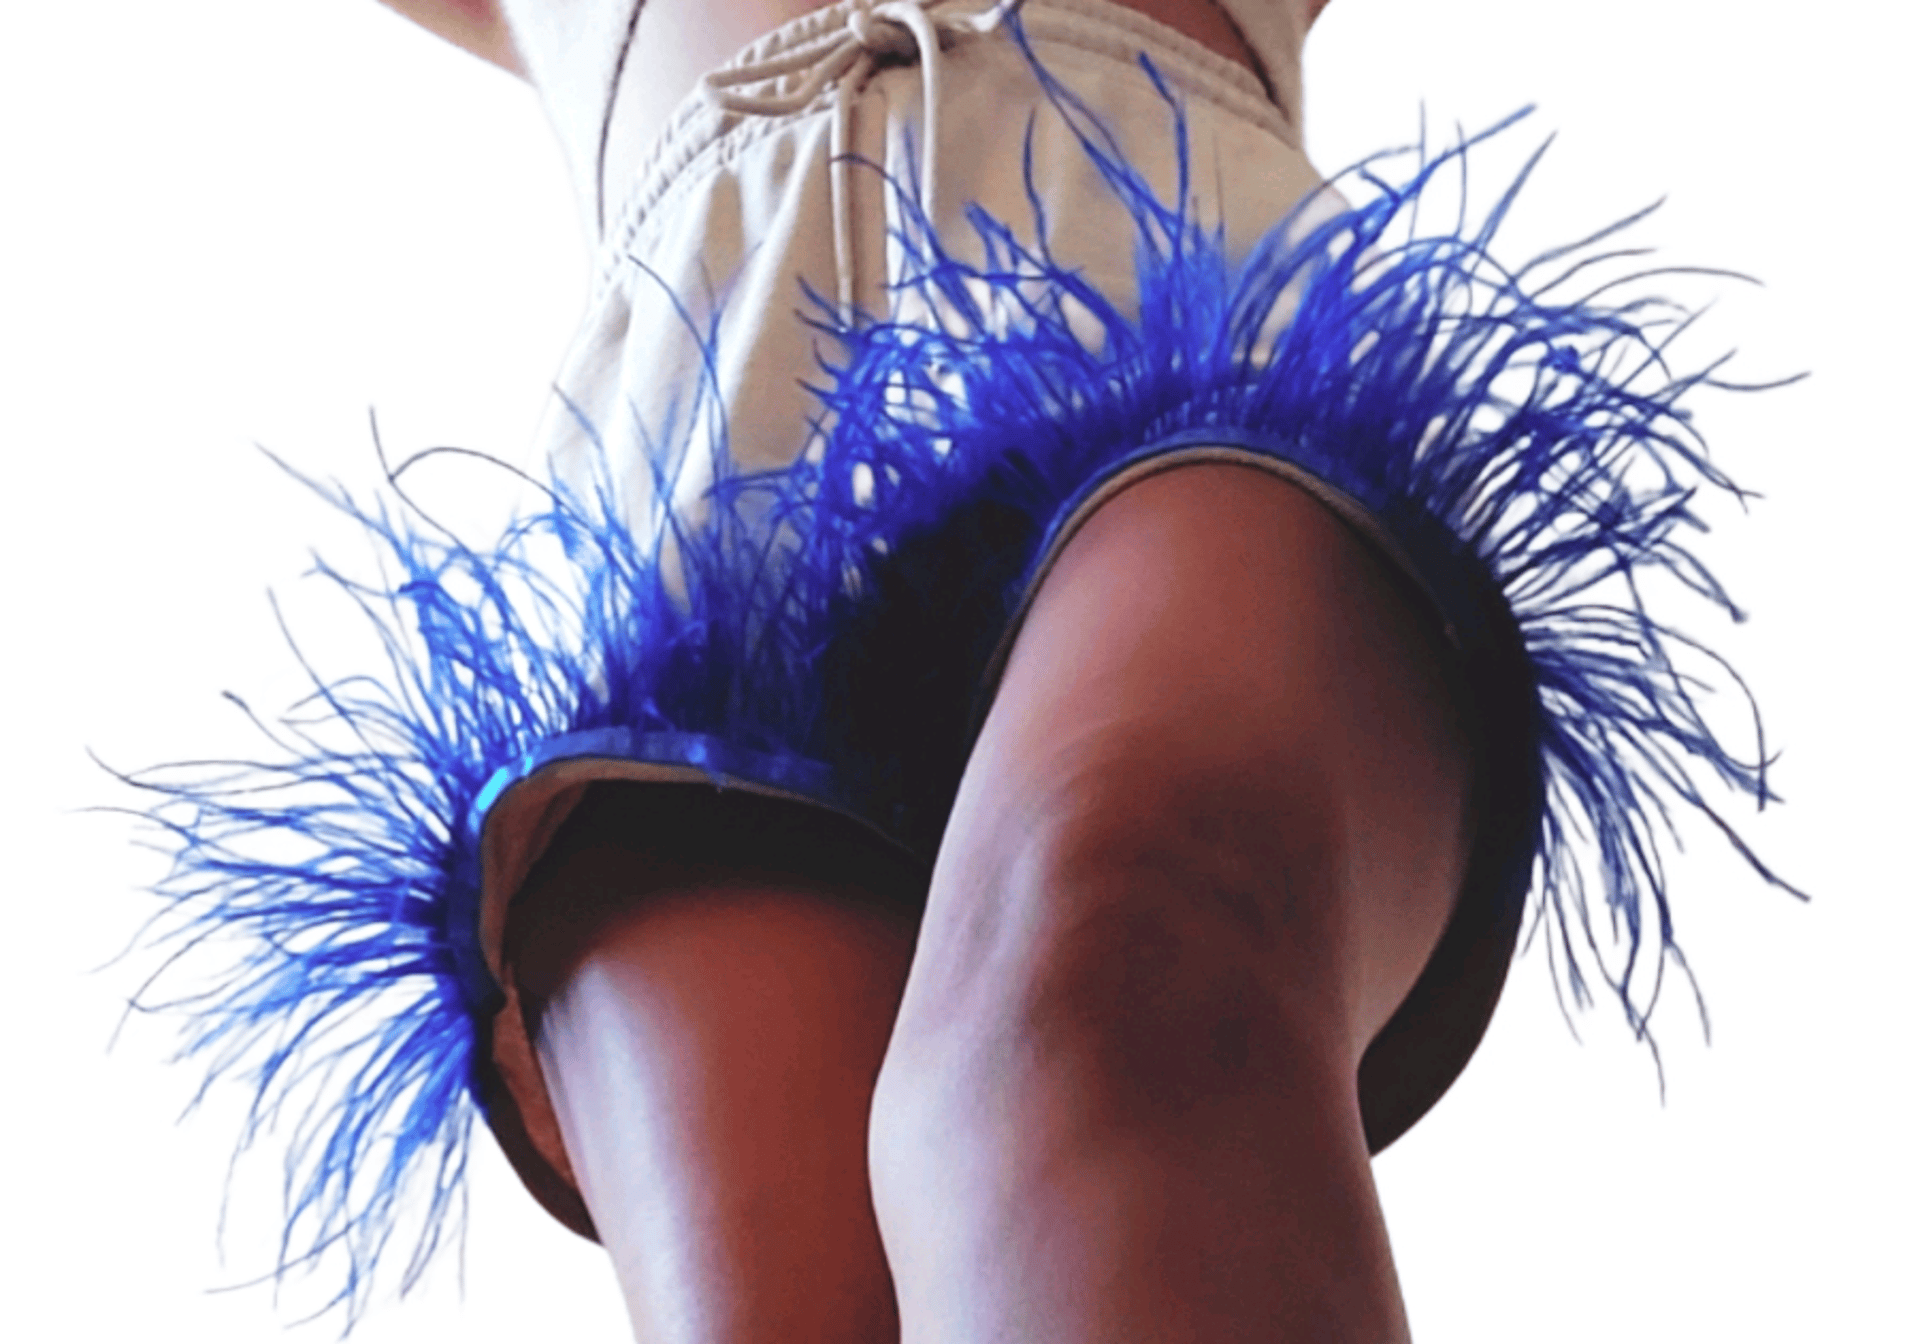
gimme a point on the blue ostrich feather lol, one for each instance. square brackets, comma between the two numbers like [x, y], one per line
[1518, 427]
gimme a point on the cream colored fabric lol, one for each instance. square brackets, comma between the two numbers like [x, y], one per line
[734, 210]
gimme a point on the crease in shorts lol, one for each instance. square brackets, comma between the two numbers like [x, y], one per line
[606, 120]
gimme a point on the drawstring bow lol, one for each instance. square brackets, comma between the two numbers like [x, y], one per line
[890, 30]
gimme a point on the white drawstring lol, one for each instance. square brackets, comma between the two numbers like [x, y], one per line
[900, 29]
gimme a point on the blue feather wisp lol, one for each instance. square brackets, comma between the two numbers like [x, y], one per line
[1518, 429]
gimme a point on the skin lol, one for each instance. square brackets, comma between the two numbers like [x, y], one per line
[1105, 1088]
[476, 26]
[712, 1061]
[1211, 831]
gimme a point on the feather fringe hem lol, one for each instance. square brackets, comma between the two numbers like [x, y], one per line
[1518, 428]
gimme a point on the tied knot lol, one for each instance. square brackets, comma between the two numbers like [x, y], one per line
[890, 31]
[883, 36]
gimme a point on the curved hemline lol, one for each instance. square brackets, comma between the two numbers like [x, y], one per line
[566, 766]
[1171, 456]
[511, 1075]
[1408, 1067]
[1436, 1029]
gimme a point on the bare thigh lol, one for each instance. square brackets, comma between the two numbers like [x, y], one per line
[1219, 671]
[1212, 829]
[710, 1021]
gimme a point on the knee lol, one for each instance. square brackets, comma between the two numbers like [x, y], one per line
[1212, 826]
[1162, 909]
[1154, 933]
[1221, 703]
[1176, 987]
[1154, 947]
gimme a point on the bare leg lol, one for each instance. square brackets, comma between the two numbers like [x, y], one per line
[1212, 828]
[710, 1037]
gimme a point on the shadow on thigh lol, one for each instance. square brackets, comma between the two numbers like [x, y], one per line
[710, 982]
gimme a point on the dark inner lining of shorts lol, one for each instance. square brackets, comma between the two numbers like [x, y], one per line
[683, 834]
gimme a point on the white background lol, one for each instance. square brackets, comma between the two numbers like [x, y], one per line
[230, 222]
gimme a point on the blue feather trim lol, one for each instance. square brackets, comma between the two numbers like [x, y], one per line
[1513, 431]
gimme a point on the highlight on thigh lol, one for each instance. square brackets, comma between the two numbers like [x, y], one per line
[711, 981]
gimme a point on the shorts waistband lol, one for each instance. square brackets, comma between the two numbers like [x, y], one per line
[702, 131]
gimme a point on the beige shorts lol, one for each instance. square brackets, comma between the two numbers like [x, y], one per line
[747, 204]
